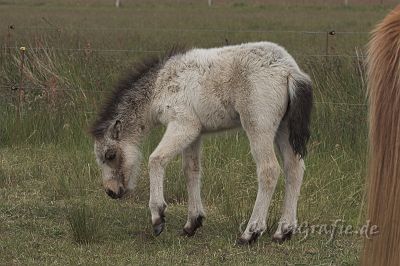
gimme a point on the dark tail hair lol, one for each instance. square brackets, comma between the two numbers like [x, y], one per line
[384, 153]
[299, 112]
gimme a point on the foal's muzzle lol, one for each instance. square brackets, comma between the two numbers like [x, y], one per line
[115, 195]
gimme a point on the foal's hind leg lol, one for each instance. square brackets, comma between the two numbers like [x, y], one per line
[262, 148]
[294, 170]
[191, 167]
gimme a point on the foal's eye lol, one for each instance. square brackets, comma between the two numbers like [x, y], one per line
[110, 155]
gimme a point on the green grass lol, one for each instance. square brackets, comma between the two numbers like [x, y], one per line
[53, 209]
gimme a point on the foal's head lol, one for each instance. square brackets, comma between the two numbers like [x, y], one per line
[122, 123]
[118, 159]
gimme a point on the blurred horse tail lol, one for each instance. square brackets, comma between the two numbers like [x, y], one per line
[384, 136]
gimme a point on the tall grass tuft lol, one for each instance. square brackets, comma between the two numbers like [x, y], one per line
[84, 223]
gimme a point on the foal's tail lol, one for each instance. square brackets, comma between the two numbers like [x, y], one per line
[299, 111]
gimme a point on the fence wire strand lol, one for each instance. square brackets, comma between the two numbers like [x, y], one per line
[27, 89]
[88, 50]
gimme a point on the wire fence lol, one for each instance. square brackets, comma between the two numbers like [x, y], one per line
[22, 88]
[329, 34]
[218, 30]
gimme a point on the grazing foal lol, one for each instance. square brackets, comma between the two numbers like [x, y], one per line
[257, 86]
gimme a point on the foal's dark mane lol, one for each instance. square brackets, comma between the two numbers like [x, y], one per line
[126, 85]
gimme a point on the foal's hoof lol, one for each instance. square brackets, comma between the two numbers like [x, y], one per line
[194, 225]
[158, 229]
[159, 226]
[280, 238]
[243, 241]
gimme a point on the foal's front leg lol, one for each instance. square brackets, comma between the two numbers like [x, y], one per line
[176, 138]
[192, 168]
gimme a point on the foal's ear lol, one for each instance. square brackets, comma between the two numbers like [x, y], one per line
[116, 130]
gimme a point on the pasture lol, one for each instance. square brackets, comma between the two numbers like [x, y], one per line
[53, 209]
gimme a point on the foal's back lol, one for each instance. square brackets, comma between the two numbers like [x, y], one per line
[217, 84]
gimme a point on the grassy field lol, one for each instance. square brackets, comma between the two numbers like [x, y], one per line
[52, 207]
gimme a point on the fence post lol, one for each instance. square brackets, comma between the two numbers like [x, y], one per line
[21, 92]
[117, 3]
[21, 95]
[88, 50]
[209, 2]
[328, 33]
[8, 39]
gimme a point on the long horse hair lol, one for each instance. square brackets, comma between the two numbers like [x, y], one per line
[384, 136]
